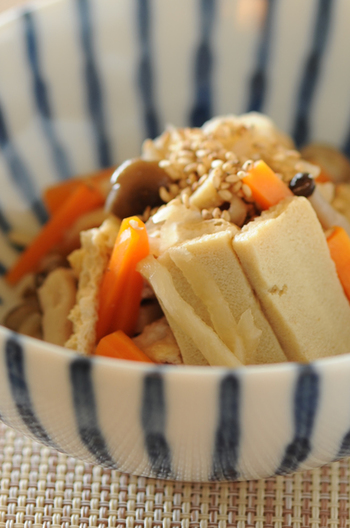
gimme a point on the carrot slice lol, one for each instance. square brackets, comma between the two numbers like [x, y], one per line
[323, 177]
[339, 247]
[120, 293]
[55, 195]
[267, 189]
[119, 345]
[81, 201]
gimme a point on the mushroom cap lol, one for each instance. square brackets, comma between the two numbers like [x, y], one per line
[136, 185]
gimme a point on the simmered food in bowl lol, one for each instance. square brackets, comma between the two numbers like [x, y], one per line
[218, 246]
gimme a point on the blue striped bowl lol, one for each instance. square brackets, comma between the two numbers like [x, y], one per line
[82, 83]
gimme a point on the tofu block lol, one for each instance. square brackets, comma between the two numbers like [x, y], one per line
[182, 315]
[190, 353]
[286, 259]
[223, 297]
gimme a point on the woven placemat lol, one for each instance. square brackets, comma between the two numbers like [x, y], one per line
[40, 487]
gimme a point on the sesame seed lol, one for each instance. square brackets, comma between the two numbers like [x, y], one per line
[173, 172]
[232, 178]
[237, 186]
[216, 172]
[202, 179]
[225, 195]
[216, 163]
[174, 189]
[184, 161]
[164, 163]
[231, 156]
[185, 199]
[206, 215]
[225, 215]
[216, 213]
[186, 153]
[201, 169]
[191, 167]
[225, 185]
[202, 152]
[247, 165]
[241, 174]
[153, 211]
[191, 178]
[165, 195]
[246, 190]
[146, 213]
[228, 166]
[216, 178]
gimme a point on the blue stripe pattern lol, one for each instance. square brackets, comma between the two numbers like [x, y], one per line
[15, 364]
[4, 224]
[41, 95]
[20, 173]
[145, 73]
[309, 82]
[93, 85]
[258, 83]
[344, 449]
[228, 431]
[203, 67]
[153, 419]
[86, 412]
[305, 407]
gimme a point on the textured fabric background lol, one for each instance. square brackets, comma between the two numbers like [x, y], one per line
[42, 488]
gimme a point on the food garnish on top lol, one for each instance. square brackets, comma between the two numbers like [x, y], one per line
[220, 245]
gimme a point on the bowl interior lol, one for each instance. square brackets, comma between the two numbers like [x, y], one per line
[84, 82]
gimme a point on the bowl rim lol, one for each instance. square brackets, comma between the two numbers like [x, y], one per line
[274, 369]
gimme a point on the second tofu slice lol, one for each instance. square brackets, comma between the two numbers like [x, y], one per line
[210, 267]
[285, 256]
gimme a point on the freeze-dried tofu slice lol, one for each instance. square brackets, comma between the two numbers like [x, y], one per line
[285, 256]
[213, 270]
[183, 315]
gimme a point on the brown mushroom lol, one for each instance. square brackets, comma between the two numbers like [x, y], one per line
[136, 185]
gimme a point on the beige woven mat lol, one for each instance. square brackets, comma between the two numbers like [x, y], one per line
[42, 488]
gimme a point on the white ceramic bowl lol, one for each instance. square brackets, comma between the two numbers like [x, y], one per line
[82, 83]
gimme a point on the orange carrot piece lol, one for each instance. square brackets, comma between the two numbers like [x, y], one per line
[81, 201]
[119, 345]
[323, 177]
[339, 246]
[55, 195]
[267, 189]
[120, 293]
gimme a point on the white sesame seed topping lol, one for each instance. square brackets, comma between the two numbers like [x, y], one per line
[247, 165]
[216, 213]
[216, 163]
[225, 195]
[165, 195]
[232, 178]
[225, 215]
[246, 190]
[241, 174]
[206, 215]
